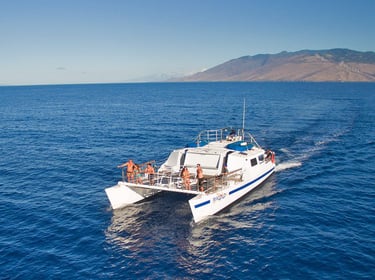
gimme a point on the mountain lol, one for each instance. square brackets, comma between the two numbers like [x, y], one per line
[341, 65]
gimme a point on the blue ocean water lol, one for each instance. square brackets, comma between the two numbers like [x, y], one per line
[60, 145]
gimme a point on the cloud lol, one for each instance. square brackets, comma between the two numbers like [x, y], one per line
[60, 68]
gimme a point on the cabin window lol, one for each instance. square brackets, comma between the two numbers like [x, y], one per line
[261, 158]
[254, 162]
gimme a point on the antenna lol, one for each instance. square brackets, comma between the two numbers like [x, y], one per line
[243, 118]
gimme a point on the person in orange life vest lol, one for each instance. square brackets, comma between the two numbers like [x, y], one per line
[150, 171]
[186, 178]
[130, 167]
[200, 177]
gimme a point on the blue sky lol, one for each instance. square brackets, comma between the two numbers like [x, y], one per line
[92, 41]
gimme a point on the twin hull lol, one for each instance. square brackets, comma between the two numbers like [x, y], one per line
[205, 205]
[202, 205]
[232, 164]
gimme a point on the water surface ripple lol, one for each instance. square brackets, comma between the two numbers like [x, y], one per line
[313, 218]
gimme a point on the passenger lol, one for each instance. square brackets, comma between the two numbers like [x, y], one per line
[186, 178]
[200, 177]
[225, 172]
[138, 174]
[268, 155]
[130, 166]
[225, 169]
[150, 171]
[231, 135]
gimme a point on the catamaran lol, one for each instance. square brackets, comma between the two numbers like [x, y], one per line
[231, 164]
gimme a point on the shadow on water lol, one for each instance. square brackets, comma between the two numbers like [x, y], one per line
[169, 205]
[164, 227]
[169, 214]
[149, 219]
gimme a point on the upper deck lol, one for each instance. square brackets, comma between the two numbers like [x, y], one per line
[224, 137]
[214, 150]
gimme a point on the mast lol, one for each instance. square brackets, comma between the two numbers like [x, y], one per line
[243, 119]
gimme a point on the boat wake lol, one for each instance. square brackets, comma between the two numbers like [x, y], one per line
[302, 154]
[287, 165]
[291, 161]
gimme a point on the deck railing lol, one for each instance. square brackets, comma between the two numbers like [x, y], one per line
[227, 133]
[173, 181]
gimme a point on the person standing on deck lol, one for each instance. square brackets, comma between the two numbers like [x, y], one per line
[138, 174]
[200, 177]
[186, 178]
[150, 171]
[130, 167]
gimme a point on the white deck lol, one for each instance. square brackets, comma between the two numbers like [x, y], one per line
[162, 188]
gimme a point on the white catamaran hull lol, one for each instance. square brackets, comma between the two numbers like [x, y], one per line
[204, 205]
[121, 195]
[232, 165]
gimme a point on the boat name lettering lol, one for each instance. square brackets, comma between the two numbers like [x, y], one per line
[219, 196]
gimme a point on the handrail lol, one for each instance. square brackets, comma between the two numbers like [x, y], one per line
[140, 165]
[173, 181]
[225, 134]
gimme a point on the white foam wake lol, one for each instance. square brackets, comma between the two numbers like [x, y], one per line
[286, 165]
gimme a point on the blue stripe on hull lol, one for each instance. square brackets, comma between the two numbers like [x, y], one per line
[236, 190]
[252, 182]
[202, 204]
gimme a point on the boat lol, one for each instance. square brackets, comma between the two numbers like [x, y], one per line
[232, 163]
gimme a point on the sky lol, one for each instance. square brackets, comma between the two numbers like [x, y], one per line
[107, 41]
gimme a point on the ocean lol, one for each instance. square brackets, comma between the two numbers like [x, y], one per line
[314, 218]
